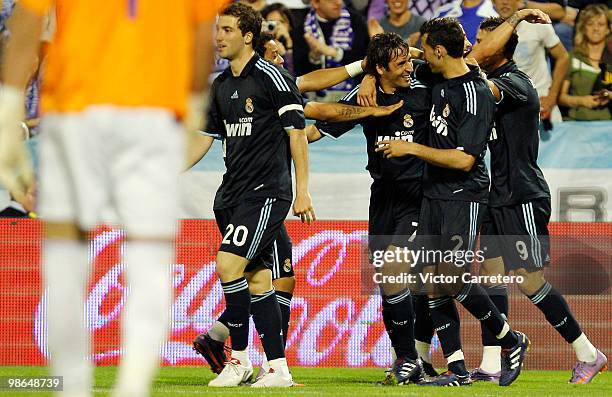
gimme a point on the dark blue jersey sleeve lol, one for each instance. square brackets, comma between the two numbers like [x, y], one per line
[284, 95]
[214, 126]
[513, 87]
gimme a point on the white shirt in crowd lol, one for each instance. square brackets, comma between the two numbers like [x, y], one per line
[530, 56]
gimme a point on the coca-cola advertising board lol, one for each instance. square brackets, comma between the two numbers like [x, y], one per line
[335, 319]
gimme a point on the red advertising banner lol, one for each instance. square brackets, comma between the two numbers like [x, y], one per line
[335, 322]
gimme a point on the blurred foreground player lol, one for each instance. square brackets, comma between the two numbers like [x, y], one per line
[117, 78]
[515, 231]
[257, 111]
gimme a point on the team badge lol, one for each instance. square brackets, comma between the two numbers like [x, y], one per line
[408, 122]
[287, 265]
[446, 110]
[442, 93]
[249, 106]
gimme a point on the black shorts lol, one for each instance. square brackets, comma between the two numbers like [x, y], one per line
[449, 229]
[393, 214]
[249, 229]
[282, 259]
[519, 234]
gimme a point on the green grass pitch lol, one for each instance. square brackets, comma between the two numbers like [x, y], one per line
[191, 381]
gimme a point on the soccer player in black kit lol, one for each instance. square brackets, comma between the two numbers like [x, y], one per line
[258, 111]
[211, 344]
[396, 189]
[515, 229]
[455, 190]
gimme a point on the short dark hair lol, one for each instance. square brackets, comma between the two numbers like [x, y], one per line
[281, 8]
[491, 24]
[383, 48]
[249, 20]
[446, 32]
[260, 48]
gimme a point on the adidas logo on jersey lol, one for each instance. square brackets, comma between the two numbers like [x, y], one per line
[234, 95]
[242, 128]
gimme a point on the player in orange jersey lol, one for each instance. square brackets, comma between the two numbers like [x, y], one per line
[119, 76]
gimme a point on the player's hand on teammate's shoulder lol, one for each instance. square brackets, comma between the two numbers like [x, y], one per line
[394, 148]
[303, 208]
[382, 111]
[366, 96]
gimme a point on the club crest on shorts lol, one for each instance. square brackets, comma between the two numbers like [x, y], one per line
[249, 106]
[408, 122]
[287, 265]
[446, 110]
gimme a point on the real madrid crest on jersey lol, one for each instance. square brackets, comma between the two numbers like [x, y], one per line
[287, 265]
[249, 105]
[446, 111]
[408, 122]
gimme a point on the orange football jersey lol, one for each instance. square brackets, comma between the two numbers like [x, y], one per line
[132, 53]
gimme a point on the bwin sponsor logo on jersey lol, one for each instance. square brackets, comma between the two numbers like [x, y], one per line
[438, 123]
[242, 128]
[397, 136]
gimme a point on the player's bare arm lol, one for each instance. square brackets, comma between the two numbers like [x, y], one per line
[324, 78]
[197, 147]
[312, 133]
[16, 172]
[495, 90]
[336, 112]
[447, 158]
[302, 205]
[500, 36]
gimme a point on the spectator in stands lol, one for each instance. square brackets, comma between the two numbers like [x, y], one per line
[587, 89]
[279, 21]
[361, 6]
[332, 35]
[423, 8]
[555, 8]
[400, 20]
[535, 41]
[257, 5]
[562, 19]
[298, 10]
[469, 12]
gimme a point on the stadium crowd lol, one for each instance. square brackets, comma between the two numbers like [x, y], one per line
[535, 77]
[570, 62]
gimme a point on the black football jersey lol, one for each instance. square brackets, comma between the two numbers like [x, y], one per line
[515, 140]
[252, 114]
[461, 117]
[409, 123]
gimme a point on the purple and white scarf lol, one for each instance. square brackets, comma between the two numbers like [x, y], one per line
[341, 37]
